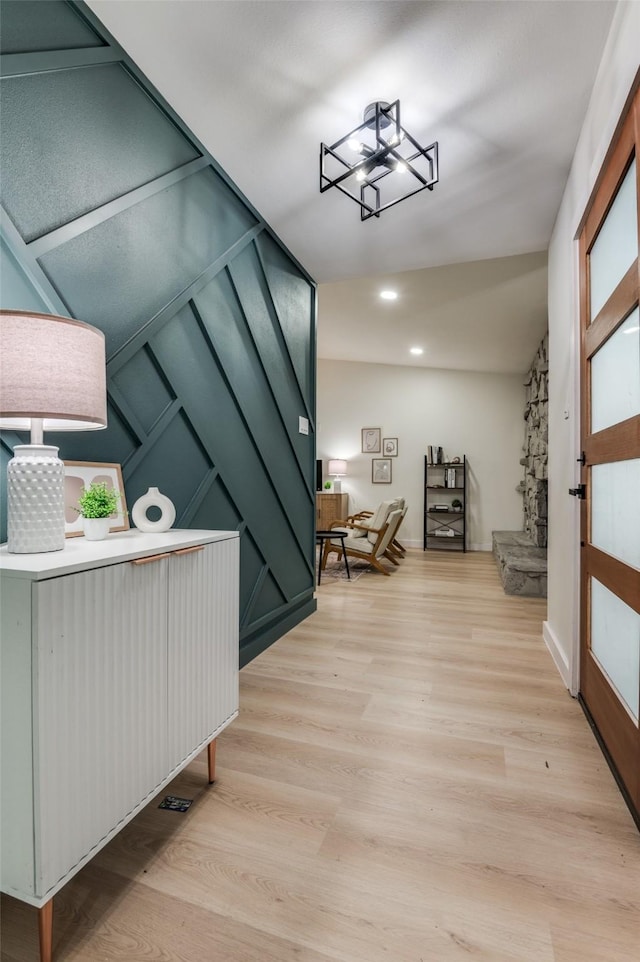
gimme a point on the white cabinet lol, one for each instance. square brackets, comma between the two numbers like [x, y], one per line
[119, 664]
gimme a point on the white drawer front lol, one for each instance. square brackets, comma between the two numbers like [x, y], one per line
[203, 645]
[101, 697]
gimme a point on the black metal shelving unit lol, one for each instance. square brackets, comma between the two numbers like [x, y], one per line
[445, 528]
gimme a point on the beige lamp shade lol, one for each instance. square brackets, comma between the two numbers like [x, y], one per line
[51, 368]
[337, 467]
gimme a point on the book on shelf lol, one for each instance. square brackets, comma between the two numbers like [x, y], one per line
[435, 454]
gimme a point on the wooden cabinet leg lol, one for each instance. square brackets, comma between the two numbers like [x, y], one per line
[211, 754]
[45, 931]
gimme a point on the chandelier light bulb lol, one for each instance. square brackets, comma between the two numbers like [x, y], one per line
[416, 350]
[360, 175]
[355, 144]
[388, 295]
[401, 167]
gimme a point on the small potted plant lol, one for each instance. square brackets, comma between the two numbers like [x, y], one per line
[328, 485]
[456, 504]
[96, 505]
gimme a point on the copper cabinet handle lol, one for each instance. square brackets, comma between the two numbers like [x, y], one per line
[196, 547]
[150, 559]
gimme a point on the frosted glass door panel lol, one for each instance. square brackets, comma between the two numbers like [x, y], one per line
[615, 376]
[615, 509]
[616, 246]
[615, 643]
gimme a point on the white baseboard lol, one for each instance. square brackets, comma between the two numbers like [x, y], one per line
[556, 652]
[412, 543]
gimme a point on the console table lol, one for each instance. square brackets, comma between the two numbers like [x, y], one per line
[329, 508]
[119, 664]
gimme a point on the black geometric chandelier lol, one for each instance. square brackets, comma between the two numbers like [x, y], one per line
[378, 164]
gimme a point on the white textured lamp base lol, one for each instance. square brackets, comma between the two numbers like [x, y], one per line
[35, 500]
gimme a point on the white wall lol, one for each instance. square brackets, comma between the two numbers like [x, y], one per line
[480, 415]
[613, 83]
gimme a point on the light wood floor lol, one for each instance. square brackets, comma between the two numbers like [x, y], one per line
[408, 781]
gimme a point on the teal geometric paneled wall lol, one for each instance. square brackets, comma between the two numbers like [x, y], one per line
[112, 212]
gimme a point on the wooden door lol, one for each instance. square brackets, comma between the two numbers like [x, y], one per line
[610, 521]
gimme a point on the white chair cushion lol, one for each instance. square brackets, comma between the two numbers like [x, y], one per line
[378, 520]
[359, 532]
[357, 544]
[393, 521]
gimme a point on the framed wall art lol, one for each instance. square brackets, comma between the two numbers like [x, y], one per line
[79, 475]
[390, 447]
[371, 440]
[381, 470]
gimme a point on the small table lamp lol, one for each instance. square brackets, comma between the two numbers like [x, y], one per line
[337, 468]
[52, 378]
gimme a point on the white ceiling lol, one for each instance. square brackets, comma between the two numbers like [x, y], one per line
[502, 85]
[495, 310]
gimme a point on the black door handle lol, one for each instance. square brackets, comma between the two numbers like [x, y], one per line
[579, 492]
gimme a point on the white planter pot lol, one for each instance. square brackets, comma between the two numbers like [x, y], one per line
[96, 529]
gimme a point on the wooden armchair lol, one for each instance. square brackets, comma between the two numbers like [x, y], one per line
[370, 547]
[360, 524]
[364, 519]
[395, 547]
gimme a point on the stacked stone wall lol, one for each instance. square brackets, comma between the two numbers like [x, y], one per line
[536, 436]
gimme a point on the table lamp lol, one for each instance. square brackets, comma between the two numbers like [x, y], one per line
[52, 378]
[337, 468]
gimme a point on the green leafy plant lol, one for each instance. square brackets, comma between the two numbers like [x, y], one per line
[97, 501]
[327, 485]
[456, 504]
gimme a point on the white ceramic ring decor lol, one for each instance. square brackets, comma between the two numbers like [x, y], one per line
[153, 499]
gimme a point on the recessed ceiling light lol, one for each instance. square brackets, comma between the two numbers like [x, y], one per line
[388, 295]
[416, 350]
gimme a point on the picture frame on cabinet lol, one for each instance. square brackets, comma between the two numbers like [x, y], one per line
[371, 440]
[80, 474]
[390, 447]
[381, 470]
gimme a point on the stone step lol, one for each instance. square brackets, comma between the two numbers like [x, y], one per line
[522, 566]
